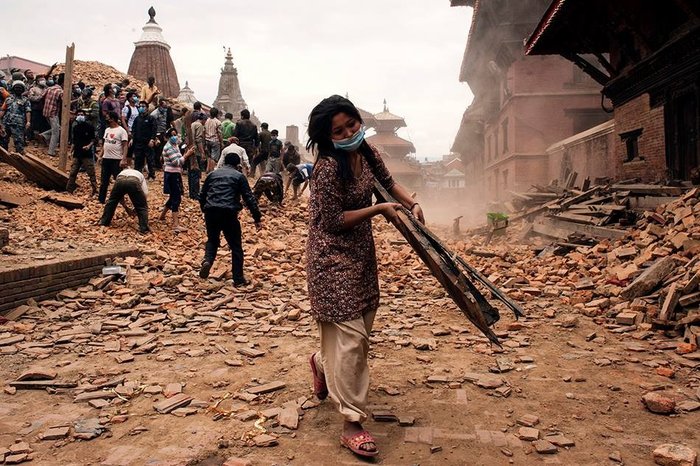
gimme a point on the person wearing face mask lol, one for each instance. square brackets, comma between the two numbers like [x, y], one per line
[341, 267]
[130, 111]
[274, 160]
[143, 139]
[163, 117]
[77, 93]
[92, 109]
[16, 114]
[83, 146]
[110, 102]
[173, 161]
[52, 105]
[113, 154]
[36, 94]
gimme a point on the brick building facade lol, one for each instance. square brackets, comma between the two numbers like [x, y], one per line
[646, 57]
[521, 105]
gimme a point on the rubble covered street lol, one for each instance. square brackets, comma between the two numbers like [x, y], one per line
[166, 368]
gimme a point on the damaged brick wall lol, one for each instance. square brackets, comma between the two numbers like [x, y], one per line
[633, 115]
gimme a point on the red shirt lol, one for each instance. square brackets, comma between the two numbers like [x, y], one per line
[51, 98]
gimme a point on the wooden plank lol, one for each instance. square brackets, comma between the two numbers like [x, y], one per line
[692, 283]
[650, 202]
[551, 231]
[576, 218]
[670, 303]
[64, 200]
[441, 263]
[588, 230]
[580, 197]
[689, 299]
[65, 108]
[521, 196]
[648, 189]
[650, 278]
[606, 208]
[14, 201]
[42, 384]
[36, 170]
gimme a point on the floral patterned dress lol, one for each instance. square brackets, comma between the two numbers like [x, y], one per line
[342, 264]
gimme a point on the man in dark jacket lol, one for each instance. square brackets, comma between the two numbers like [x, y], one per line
[143, 138]
[83, 143]
[220, 200]
[247, 134]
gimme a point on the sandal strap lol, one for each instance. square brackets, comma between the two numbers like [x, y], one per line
[360, 438]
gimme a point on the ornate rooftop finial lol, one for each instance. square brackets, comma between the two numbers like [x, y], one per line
[152, 14]
[385, 108]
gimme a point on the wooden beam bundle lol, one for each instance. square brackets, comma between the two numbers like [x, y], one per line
[443, 264]
[36, 170]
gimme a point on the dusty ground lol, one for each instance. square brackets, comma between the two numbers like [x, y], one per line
[586, 387]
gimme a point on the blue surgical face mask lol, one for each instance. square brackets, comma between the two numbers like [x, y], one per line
[50, 82]
[142, 109]
[352, 143]
[173, 140]
[135, 99]
[80, 118]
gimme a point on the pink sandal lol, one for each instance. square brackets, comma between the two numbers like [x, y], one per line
[354, 442]
[320, 387]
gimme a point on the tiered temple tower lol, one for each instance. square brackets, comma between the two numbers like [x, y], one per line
[151, 57]
[229, 98]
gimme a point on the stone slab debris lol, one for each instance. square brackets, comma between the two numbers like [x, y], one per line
[289, 418]
[169, 404]
[528, 433]
[670, 454]
[55, 433]
[544, 447]
[265, 440]
[266, 388]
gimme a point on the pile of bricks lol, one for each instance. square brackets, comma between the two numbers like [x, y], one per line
[43, 280]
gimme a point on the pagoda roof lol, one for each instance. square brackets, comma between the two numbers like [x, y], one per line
[400, 166]
[367, 117]
[390, 140]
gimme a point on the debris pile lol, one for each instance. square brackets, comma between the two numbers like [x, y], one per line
[96, 74]
[646, 279]
[602, 211]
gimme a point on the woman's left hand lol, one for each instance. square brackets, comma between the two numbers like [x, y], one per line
[418, 213]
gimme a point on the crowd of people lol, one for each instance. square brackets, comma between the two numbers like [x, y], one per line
[123, 126]
[132, 132]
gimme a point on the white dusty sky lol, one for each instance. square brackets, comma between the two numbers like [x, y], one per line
[289, 53]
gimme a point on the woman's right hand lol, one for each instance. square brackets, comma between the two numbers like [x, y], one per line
[390, 211]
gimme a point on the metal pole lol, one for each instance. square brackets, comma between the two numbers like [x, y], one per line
[65, 110]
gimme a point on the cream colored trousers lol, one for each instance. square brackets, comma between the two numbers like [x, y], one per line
[343, 361]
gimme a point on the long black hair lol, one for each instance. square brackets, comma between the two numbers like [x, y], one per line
[320, 126]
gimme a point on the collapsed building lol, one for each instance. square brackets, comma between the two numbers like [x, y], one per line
[522, 104]
[648, 66]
